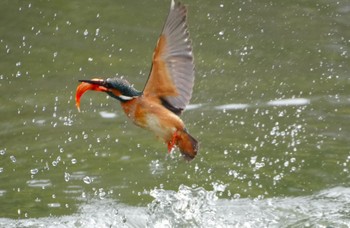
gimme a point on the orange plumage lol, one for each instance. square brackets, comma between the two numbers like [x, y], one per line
[168, 89]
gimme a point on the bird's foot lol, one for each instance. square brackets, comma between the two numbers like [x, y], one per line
[172, 142]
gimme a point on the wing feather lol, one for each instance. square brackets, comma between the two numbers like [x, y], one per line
[172, 75]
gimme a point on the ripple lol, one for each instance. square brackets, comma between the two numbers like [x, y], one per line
[73, 189]
[108, 115]
[193, 106]
[2, 192]
[39, 183]
[232, 106]
[54, 205]
[289, 102]
[78, 175]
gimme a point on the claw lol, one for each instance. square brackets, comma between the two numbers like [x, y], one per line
[172, 142]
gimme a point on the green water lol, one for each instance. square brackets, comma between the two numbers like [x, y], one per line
[247, 54]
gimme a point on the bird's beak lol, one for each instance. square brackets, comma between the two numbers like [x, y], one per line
[85, 85]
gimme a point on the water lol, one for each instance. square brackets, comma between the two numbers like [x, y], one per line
[271, 109]
[196, 207]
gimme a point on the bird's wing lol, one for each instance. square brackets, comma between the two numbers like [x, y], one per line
[172, 75]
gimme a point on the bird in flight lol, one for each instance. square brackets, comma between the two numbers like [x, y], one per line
[167, 91]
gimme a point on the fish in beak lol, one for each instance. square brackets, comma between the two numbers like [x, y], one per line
[85, 85]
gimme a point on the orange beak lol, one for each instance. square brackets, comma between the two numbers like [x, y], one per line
[85, 85]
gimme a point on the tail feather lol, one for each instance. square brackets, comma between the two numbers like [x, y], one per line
[187, 145]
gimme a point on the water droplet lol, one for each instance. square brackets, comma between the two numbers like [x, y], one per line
[196, 168]
[13, 158]
[253, 160]
[236, 196]
[2, 151]
[101, 193]
[66, 177]
[34, 171]
[87, 180]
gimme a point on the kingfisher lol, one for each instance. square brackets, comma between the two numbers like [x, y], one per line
[168, 89]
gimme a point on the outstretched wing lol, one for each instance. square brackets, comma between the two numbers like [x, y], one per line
[172, 75]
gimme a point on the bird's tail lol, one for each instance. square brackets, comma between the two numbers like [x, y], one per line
[187, 144]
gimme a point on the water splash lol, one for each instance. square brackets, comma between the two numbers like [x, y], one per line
[196, 207]
[186, 207]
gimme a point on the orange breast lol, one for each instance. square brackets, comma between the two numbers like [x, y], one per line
[151, 115]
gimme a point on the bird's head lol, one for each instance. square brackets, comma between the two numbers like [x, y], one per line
[115, 87]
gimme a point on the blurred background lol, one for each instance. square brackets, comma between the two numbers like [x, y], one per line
[270, 107]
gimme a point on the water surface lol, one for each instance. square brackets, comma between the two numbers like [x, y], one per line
[271, 109]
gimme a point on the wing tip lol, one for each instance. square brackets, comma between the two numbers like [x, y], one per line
[172, 5]
[178, 5]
